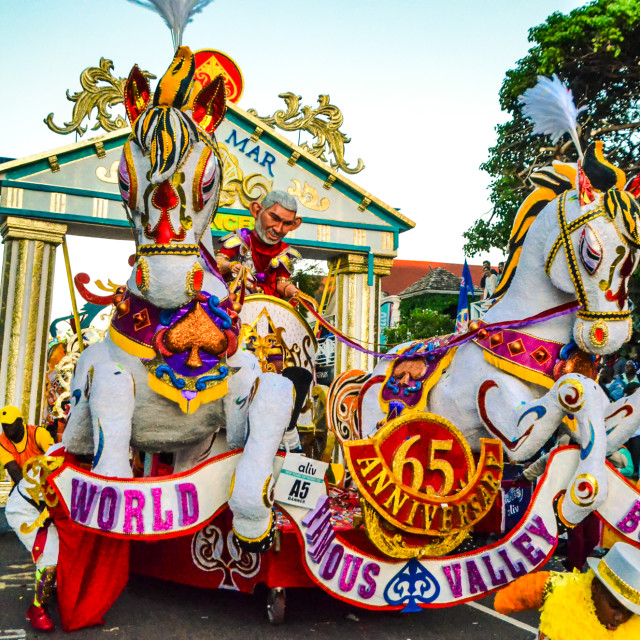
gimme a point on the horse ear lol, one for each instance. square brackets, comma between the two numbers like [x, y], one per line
[633, 186]
[210, 105]
[602, 174]
[585, 188]
[550, 179]
[136, 94]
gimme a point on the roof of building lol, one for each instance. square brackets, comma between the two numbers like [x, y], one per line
[235, 113]
[438, 280]
[405, 272]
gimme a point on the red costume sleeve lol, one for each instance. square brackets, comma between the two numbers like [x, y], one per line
[526, 592]
[281, 272]
[230, 253]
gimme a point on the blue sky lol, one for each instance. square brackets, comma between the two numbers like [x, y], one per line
[417, 82]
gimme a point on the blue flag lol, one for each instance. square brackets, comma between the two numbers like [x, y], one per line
[466, 289]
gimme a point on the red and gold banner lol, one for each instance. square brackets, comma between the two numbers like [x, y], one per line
[419, 474]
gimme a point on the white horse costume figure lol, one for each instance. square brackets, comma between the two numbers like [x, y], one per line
[172, 346]
[575, 243]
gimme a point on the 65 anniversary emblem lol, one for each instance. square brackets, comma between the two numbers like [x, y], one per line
[422, 491]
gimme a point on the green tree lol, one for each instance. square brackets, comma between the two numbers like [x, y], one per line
[595, 50]
[309, 277]
[418, 324]
[445, 303]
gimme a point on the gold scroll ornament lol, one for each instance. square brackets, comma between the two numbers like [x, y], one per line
[101, 90]
[294, 353]
[35, 473]
[323, 123]
[308, 196]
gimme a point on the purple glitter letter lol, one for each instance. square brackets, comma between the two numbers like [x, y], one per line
[346, 584]
[476, 583]
[131, 512]
[81, 504]
[370, 569]
[629, 523]
[518, 569]
[331, 562]
[158, 523]
[523, 544]
[188, 503]
[455, 584]
[538, 528]
[109, 503]
[496, 580]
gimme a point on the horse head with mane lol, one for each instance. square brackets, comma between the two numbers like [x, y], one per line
[170, 178]
[527, 365]
[589, 248]
[172, 346]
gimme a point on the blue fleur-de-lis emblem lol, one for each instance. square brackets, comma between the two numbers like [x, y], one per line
[413, 584]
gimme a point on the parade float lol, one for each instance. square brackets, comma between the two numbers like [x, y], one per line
[409, 510]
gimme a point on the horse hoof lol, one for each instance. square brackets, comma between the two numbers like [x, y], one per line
[257, 545]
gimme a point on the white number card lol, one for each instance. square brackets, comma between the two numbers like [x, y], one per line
[301, 481]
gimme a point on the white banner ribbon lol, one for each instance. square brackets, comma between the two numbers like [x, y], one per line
[378, 582]
[148, 507]
[168, 507]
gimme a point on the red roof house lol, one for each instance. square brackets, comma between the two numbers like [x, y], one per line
[405, 272]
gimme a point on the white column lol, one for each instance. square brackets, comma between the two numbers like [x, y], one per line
[25, 307]
[358, 308]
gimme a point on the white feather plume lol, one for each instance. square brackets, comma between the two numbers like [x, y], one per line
[551, 108]
[176, 13]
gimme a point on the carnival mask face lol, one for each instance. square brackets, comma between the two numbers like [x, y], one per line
[175, 211]
[170, 177]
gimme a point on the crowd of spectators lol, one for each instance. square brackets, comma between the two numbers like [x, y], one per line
[490, 278]
[618, 377]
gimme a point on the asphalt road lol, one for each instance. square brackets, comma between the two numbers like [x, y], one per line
[151, 608]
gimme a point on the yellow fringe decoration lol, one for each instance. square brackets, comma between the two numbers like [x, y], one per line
[162, 388]
[188, 406]
[130, 346]
[569, 613]
[518, 370]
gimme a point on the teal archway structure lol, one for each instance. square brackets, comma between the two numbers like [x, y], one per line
[74, 190]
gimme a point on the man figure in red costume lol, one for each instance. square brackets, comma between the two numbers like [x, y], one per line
[268, 262]
[267, 259]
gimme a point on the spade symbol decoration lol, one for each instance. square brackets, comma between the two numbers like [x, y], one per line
[413, 584]
[193, 332]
